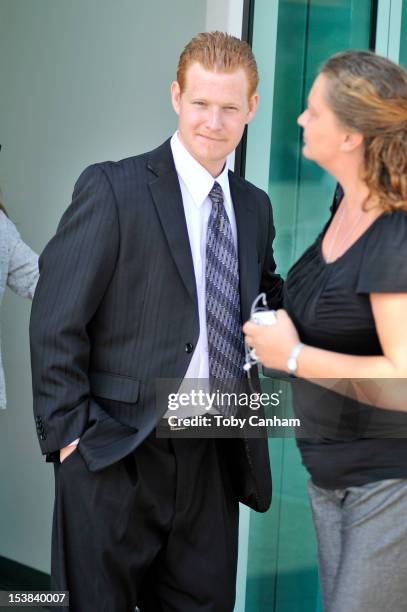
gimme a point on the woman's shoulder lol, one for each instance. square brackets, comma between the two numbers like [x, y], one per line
[383, 267]
[7, 227]
[390, 230]
[10, 239]
[394, 218]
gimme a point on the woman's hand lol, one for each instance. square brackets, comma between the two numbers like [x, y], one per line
[273, 343]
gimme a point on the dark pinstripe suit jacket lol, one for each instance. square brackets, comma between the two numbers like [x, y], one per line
[116, 307]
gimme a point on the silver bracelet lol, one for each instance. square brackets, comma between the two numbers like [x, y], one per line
[292, 363]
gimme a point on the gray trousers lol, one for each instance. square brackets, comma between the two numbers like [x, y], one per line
[362, 546]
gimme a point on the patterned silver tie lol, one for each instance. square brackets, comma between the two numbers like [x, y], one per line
[223, 317]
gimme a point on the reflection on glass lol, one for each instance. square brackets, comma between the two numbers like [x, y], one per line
[282, 570]
[403, 37]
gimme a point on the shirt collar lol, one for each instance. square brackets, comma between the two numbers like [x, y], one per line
[196, 178]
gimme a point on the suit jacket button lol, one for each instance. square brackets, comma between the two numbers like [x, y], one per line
[189, 347]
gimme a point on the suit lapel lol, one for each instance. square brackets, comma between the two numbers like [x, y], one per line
[247, 247]
[166, 194]
[167, 198]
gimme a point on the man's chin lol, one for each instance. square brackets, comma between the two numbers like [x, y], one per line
[211, 157]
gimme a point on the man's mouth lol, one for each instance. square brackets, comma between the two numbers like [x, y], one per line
[210, 138]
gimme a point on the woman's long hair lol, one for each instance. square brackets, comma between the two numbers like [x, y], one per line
[368, 94]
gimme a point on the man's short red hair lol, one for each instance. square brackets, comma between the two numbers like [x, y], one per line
[219, 52]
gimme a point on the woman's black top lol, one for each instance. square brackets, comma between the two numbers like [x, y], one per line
[345, 443]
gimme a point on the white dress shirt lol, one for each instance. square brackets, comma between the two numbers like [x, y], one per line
[196, 183]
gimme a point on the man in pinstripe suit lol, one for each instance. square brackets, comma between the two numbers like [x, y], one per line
[119, 305]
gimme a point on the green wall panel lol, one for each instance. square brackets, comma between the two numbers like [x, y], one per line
[282, 573]
[403, 36]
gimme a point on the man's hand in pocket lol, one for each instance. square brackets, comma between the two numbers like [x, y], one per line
[66, 451]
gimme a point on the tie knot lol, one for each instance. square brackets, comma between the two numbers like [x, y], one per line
[216, 193]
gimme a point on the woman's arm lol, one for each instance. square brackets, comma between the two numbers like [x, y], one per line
[22, 264]
[274, 344]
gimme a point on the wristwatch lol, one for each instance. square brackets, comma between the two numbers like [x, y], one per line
[292, 364]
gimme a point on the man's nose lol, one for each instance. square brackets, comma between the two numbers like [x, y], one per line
[214, 119]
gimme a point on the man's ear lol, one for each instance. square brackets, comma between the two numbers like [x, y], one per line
[253, 104]
[351, 141]
[175, 96]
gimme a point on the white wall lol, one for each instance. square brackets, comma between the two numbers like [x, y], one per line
[226, 15]
[81, 81]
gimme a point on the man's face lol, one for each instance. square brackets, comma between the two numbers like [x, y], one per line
[213, 110]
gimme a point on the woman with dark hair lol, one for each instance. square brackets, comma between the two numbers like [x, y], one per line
[18, 270]
[344, 317]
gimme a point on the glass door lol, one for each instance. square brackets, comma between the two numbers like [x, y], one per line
[291, 38]
[403, 36]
